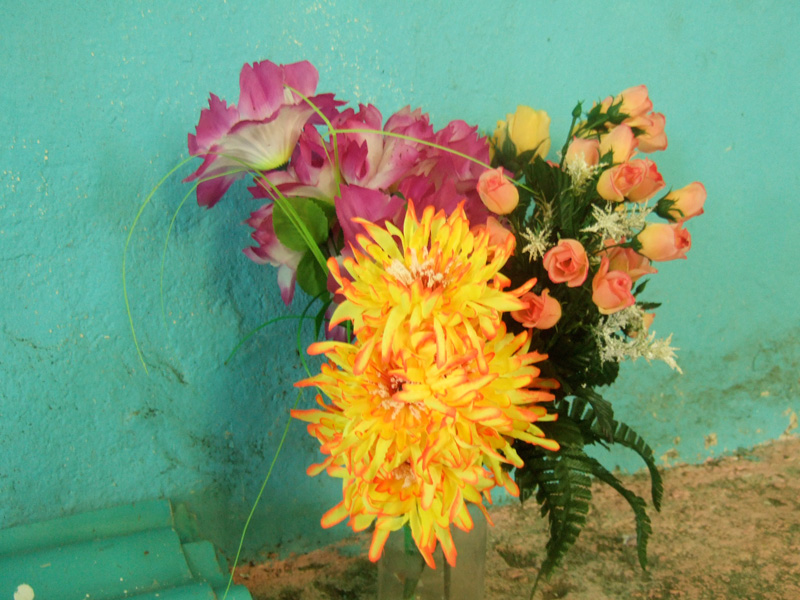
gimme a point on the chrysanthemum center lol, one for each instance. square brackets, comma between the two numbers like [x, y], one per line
[424, 271]
[405, 474]
[391, 403]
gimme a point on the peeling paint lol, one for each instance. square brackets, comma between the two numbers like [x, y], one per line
[24, 592]
[793, 424]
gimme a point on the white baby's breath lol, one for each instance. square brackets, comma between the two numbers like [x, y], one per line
[537, 242]
[617, 221]
[617, 346]
[580, 172]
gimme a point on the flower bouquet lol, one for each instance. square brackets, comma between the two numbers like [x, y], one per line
[476, 295]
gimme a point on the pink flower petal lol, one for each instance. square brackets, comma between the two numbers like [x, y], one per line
[215, 122]
[271, 251]
[371, 205]
[262, 91]
[209, 192]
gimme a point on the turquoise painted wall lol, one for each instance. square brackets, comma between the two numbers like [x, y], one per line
[97, 100]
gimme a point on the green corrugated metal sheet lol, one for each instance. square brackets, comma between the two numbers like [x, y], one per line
[118, 520]
[107, 568]
[123, 552]
[194, 591]
[203, 562]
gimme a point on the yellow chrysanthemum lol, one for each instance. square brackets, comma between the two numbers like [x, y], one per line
[414, 441]
[434, 278]
[428, 400]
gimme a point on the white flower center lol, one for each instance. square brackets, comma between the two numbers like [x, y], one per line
[423, 271]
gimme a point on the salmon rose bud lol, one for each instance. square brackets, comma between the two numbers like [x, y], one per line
[621, 142]
[527, 128]
[584, 151]
[647, 321]
[499, 236]
[498, 194]
[611, 290]
[567, 263]
[635, 101]
[542, 312]
[637, 180]
[683, 204]
[663, 241]
[652, 137]
[629, 261]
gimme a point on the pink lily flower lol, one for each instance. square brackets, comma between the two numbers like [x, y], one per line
[424, 191]
[261, 133]
[376, 161]
[310, 174]
[371, 205]
[271, 251]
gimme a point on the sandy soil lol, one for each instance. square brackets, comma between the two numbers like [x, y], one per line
[729, 529]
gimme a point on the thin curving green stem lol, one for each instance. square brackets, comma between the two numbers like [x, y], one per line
[255, 331]
[274, 458]
[169, 233]
[125, 255]
[260, 494]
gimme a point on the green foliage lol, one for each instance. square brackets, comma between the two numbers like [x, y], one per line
[627, 437]
[290, 227]
[310, 275]
[580, 411]
[561, 481]
[564, 492]
[637, 504]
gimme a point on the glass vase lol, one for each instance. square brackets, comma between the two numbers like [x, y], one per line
[403, 574]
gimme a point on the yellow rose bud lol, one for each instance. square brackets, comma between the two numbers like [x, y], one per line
[527, 128]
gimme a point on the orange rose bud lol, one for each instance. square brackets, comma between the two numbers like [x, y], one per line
[663, 241]
[621, 142]
[628, 261]
[498, 194]
[637, 180]
[647, 320]
[567, 263]
[611, 290]
[653, 136]
[542, 312]
[499, 236]
[683, 204]
[635, 101]
[580, 149]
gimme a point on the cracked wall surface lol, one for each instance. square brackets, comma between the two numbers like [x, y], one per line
[100, 100]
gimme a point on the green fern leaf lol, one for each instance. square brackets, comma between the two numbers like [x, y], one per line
[627, 437]
[603, 413]
[595, 430]
[643, 527]
[564, 493]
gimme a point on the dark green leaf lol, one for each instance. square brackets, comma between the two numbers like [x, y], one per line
[640, 288]
[564, 493]
[311, 218]
[643, 528]
[320, 317]
[328, 209]
[310, 275]
[604, 414]
[648, 305]
[627, 437]
[583, 416]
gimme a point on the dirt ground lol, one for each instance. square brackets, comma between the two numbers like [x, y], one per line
[729, 529]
